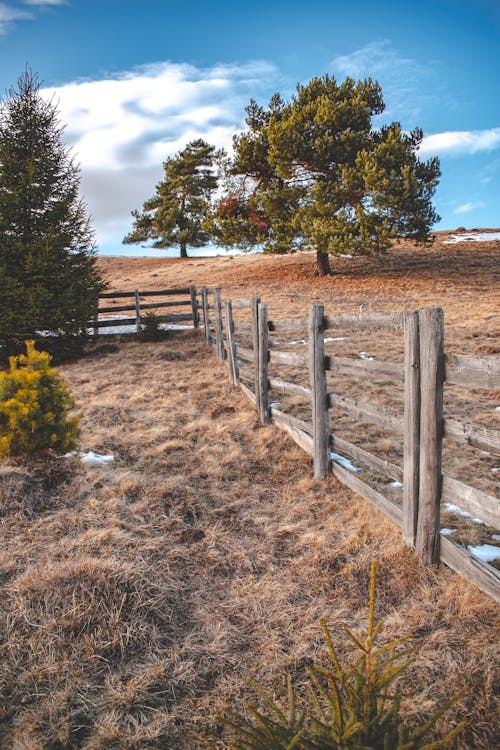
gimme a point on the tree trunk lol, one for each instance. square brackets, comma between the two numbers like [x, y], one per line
[323, 264]
[184, 250]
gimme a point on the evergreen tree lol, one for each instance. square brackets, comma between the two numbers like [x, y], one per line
[35, 403]
[345, 186]
[258, 206]
[177, 213]
[48, 278]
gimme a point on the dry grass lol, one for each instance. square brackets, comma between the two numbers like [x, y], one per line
[137, 596]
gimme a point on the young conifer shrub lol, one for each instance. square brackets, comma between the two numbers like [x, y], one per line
[351, 707]
[151, 330]
[34, 407]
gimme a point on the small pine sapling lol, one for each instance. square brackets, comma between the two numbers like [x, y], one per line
[356, 707]
[34, 407]
[151, 330]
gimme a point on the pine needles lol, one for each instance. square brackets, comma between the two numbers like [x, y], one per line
[352, 707]
[34, 407]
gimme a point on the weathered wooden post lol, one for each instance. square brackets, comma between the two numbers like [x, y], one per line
[262, 373]
[411, 445]
[206, 319]
[96, 319]
[219, 332]
[232, 365]
[431, 337]
[254, 308]
[194, 306]
[137, 312]
[319, 400]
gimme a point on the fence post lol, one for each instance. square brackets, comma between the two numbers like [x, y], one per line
[206, 323]
[263, 378]
[96, 319]
[234, 375]
[137, 312]
[219, 333]
[194, 306]
[431, 433]
[317, 375]
[254, 306]
[411, 445]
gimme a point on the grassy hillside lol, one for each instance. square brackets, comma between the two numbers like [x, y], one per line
[138, 595]
[462, 278]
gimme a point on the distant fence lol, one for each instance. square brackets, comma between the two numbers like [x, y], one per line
[248, 349]
[139, 307]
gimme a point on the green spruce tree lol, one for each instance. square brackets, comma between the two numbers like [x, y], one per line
[48, 279]
[177, 214]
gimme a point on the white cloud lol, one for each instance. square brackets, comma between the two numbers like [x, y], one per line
[9, 15]
[460, 142]
[490, 171]
[374, 59]
[403, 79]
[122, 128]
[143, 116]
[45, 2]
[466, 208]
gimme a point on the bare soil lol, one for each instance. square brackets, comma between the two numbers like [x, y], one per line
[137, 596]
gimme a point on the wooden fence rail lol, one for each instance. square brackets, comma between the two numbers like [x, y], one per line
[422, 424]
[138, 307]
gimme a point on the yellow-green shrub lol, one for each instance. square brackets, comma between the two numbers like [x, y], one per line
[34, 407]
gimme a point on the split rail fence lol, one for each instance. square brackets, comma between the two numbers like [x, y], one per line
[137, 306]
[248, 349]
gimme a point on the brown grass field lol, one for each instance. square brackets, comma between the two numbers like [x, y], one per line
[138, 596]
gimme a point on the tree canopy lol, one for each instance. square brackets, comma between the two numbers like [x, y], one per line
[178, 211]
[314, 173]
[48, 278]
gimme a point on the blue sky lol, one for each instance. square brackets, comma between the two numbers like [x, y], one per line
[135, 81]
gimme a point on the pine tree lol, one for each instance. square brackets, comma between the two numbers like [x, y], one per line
[34, 407]
[48, 277]
[324, 179]
[353, 707]
[258, 205]
[178, 211]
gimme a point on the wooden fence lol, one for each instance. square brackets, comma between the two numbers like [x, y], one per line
[188, 297]
[247, 348]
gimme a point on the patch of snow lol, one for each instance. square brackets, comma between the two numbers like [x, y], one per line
[496, 537]
[343, 461]
[118, 329]
[345, 255]
[447, 532]
[274, 405]
[485, 453]
[459, 512]
[394, 484]
[208, 251]
[362, 355]
[472, 237]
[299, 342]
[114, 329]
[497, 408]
[495, 468]
[90, 457]
[485, 552]
[337, 338]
